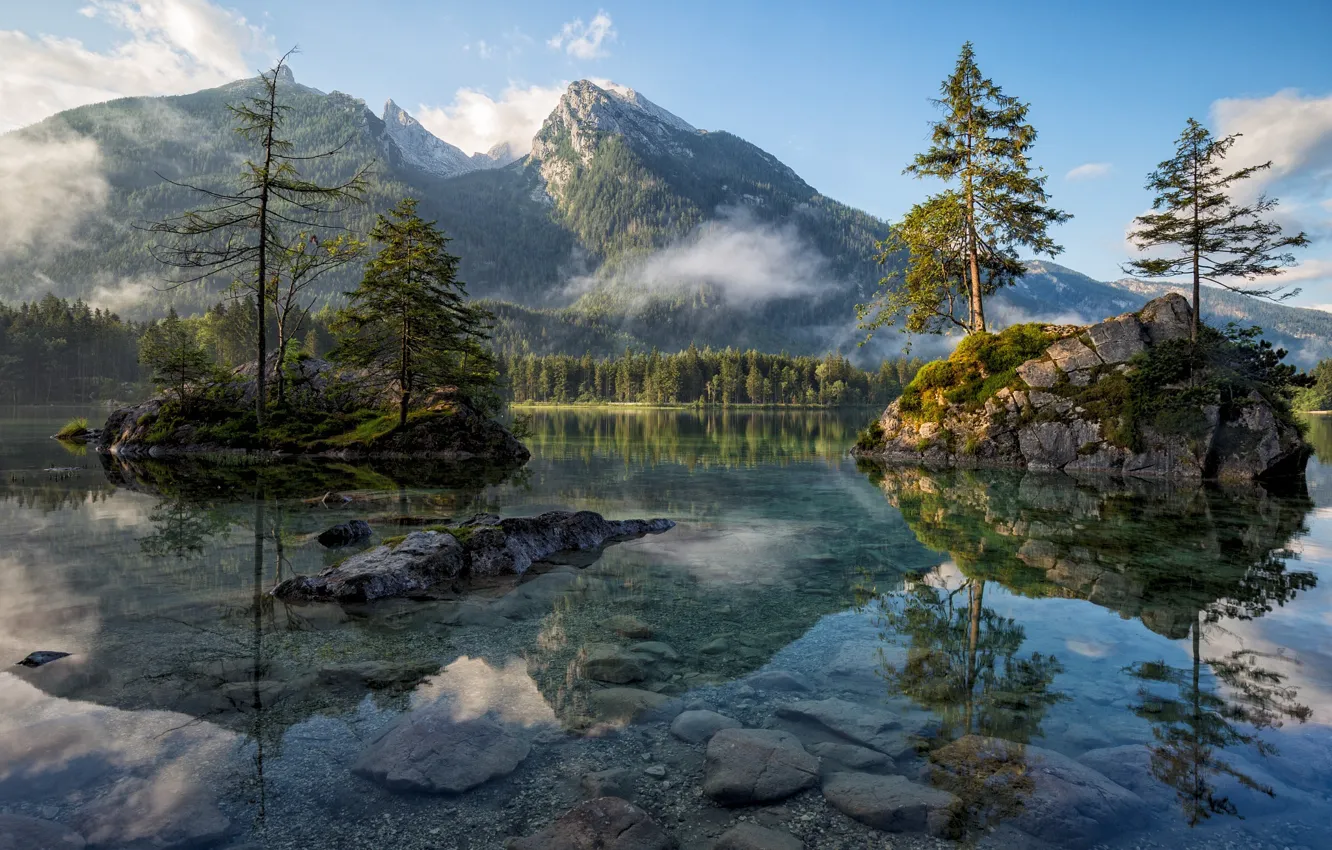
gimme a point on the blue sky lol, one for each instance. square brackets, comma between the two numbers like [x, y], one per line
[839, 91]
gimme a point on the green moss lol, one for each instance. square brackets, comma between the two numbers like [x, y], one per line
[981, 365]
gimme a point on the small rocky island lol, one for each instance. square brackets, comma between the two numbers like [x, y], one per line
[1132, 396]
[329, 414]
[484, 546]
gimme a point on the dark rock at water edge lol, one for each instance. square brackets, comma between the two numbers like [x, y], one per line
[345, 533]
[892, 803]
[42, 656]
[607, 823]
[1036, 425]
[431, 560]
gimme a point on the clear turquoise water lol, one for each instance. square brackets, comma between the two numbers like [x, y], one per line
[1188, 627]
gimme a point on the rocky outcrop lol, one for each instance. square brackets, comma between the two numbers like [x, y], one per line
[1042, 421]
[451, 429]
[484, 546]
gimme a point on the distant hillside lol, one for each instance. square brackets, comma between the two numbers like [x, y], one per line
[624, 227]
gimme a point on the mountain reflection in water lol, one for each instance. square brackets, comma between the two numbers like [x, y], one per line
[1185, 561]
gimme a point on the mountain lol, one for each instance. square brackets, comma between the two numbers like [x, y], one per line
[625, 225]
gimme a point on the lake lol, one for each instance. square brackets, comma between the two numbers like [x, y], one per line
[1076, 662]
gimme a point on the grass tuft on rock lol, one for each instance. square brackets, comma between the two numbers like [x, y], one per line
[980, 366]
[73, 429]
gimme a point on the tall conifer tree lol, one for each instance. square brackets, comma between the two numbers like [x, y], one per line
[1214, 238]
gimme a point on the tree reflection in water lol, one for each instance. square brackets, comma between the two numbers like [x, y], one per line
[1185, 561]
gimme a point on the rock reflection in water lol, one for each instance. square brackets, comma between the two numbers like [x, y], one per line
[1182, 560]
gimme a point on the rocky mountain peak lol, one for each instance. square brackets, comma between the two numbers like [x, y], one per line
[421, 148]
[587, 113]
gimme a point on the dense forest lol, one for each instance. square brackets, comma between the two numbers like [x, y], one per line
[59, 351]
[54, 351]
[704, 376]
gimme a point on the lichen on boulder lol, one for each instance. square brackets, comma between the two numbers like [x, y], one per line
[1131, 395]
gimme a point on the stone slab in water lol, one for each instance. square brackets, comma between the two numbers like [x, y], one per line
[698, 726]
[42, 656]
[429, 750]
[345, 533]
[831, 719]
[23, 833]
[751, 836]
[607, 823]
[746, 766]
[891, 803]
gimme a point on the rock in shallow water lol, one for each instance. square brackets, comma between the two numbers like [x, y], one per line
[346, 533]
[695, 727]
[431, 750]
[1038, 791]
[23, 833]
[840, 721]
[749, 836]
[607, 823]
[747, 766]
[428, 560]
[604, 662]
[891, 803]
[165, 812]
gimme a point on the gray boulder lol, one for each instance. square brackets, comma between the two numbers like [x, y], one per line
[613, 782]
[625, 705]
[604, 662]
[746, 766]
[892, 803]
[1167, 317]
[23, 833]
[1117, 340]
[607, 823]
[840, 758]
[751, 836]
[840, 721]
[429, 750]
[695, 727]
[1038, 791]
[512, 545]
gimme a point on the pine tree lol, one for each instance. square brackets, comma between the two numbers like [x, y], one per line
[248, 230]
[174, 357]
[409, 321]
[1216, 239]
[982, 145]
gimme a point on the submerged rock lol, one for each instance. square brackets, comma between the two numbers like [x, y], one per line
[345, 533]
[431, 560]
[746, 766]
[891, 803]
[1067, 409]
[1038, 791]
[159, 813]
[695, 727]
[24, 833]
[840, 721]
[751, 836]
[607, 823]
[430, 750]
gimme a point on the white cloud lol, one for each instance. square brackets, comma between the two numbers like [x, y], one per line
[475, 121]
[52, 183]
[1294, 131]
[165, 47]
[1088, 171]
[584, 41]
[746, 260]
[483, 48]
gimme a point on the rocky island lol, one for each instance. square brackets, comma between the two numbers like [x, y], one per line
[329, 415]
[1131, 395]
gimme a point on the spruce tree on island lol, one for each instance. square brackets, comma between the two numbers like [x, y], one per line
[1213, 237]
[409, 323]
[963, 243]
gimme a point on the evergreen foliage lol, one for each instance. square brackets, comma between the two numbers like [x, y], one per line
[983, 145]
[409, 323]
[177, 363]
[1214, 238]
[705, 376]
[55, 350]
